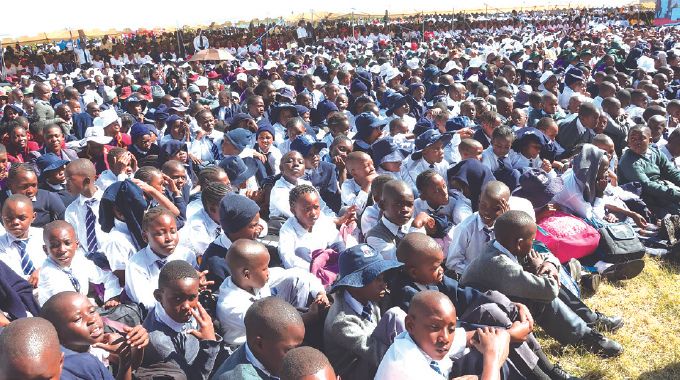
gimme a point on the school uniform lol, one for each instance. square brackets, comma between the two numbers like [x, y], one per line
[208, 148]
[78, 276]
[351, 194]
[411, 168]
[571, 199]
[296, 244]
[107, 178]
[169, 342]
[198, 232]
[213, 260]
[370, 217]
[279, 134]
[47, 206]
[469, 239]
[492, 161]
[83, 365]
[141, 273]
[482, 138]
[242, 364]
[362, 146]
[325, 179]
[295, 286]
[386, 236]
[533, 163]
[59, 190]
[279, 205]
[23, 256]
[273, 162]
[83, 215]
[573, 133]
[118, 246]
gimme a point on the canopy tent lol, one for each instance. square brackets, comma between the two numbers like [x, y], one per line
[172, 14]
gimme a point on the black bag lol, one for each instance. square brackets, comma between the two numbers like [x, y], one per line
[620, 243]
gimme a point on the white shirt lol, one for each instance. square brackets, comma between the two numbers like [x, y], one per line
[9, 253]
[410, 169]
[674, 160]
[571, 198]
[233, 302]
[279, 134]
[198, 232]
[490, 159]
[202, 148]
[118, 246]
[388, 249]
[456, 209]
[278, 199]
[352, 195]
[534, 163]
[76, 214]
[256, 363]
[53, 279]
[370, 218]
[197, 42]
[175, 326]
[563, 99]
[468, 243]
[141, 273]
[296, 244]
[404, 360]
[107, 178]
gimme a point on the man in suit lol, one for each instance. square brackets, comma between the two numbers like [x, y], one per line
[43, 114]
[581, 130]
[225, 110]
[82, 121]
[271, 323]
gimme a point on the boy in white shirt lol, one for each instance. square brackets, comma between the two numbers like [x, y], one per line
[122, 165]
[20, 246]
[428, 154]
[66, 270]
[355, 191]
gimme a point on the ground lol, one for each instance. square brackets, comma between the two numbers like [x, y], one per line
[650, 305]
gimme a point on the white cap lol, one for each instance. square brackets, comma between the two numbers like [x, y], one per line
[242, 76]
[450, 65]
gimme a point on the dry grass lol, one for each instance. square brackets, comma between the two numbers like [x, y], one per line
[650, 304]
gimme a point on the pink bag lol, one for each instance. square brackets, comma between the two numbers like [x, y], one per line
[324, 265]
[567, 236]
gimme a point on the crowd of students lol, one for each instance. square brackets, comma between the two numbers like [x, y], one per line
[355, 208]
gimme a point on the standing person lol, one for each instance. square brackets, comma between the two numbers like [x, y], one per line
[200, 41]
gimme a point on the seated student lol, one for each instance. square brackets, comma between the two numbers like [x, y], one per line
[470, 148]
[30, 351]
[181, 332]
[388, 156]
[292, 171]
[206, 147]
[175, 171]
[307, 230]
[357, 333]
[471, 236]
[294, 127]
[355, 190]
[530, 145]
[265, 147]
[239, 219]
[433, 347]
[20, 246]
[489, 121]
[82, 335]
[54, 143]
[269, 322]
[203, 227]
[397, 219]
[338, 124]
[556, 310]
[302, 362]
[337, 154]
[501, 159]
[279, 117]
[322, 175]
[122, 165]
[435, 199]
[174, 150]
[159, 231]
[242, 176]
[48, 206]
[422, 257]
[369, 129]
[237, 142]
[206, 176]
[428, 154]
[372, 213]
[581, 129]
[159, 191]
[142, 145]
[672, 148]
[4, 167]
[660, 180]
[63, 270]
[252, 279]
[51, 177]
[548, 108]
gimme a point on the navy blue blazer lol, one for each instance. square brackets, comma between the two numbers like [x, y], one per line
[213, 261]
[48, 207]
[81, 122]
[237, 366]
[82, 366]
[481, 137]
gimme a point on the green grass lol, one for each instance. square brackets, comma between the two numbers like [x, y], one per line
[650, 305]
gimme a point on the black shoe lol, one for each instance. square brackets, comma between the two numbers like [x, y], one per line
[624, 271]
[599, 345]
[558, 373]
[591, 281]
[605, 323]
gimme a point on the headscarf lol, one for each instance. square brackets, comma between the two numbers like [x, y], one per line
[130, 201]
[474, 174]
[586, 165]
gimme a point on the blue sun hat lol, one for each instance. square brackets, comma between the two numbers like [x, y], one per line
[359, 266]
[427, 138]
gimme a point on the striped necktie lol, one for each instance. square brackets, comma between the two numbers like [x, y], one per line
[366, 312]
[26, 263]
[90, 223]
[161, 263]
[74, 280]
[487, 232]
[435, 367]
[214, 149]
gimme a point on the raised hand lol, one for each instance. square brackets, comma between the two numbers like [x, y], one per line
[205, 330]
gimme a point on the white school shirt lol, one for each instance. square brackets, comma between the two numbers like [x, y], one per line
[352, 195]
[410, 169]
[404, 360]
[118, 246]
[279, 134]
[388, 250]
[54, 280]
[534, 163]
[76, 214]
[296, 244]
[194, 206]
[278, 199]
[571, 199]
[490, 159]
[370, 217]
[107, 178]
[456, 209]
[202, 148]
[141, 273]
[469, 242]
[674, 160]
[233, 302]
[198, 232]
[9, 253]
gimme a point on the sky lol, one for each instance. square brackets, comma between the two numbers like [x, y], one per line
[120, 14]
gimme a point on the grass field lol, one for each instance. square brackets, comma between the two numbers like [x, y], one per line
[650, 305]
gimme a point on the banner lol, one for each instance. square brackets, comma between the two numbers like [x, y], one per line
[667, 12]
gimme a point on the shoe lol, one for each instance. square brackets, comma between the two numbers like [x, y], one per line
[600, 345]
[591, 281]
[657, 252]
[606, 323]
[668, 226]
[623, 271]
[558, 373]
[575, 269]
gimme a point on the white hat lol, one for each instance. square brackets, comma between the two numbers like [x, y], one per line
[345, 66]
[393, 73]
[451, 65]
[279, 84]
[476, 62]
[242, 76]
[375, 69]
[95, 134]
[248, 66]
[270, 65]
[202, 81]
[546, 75]
[647, 64]
[106, 118]
[385, 68]
[413, 63]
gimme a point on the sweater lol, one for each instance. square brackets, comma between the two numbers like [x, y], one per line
[659, 178]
